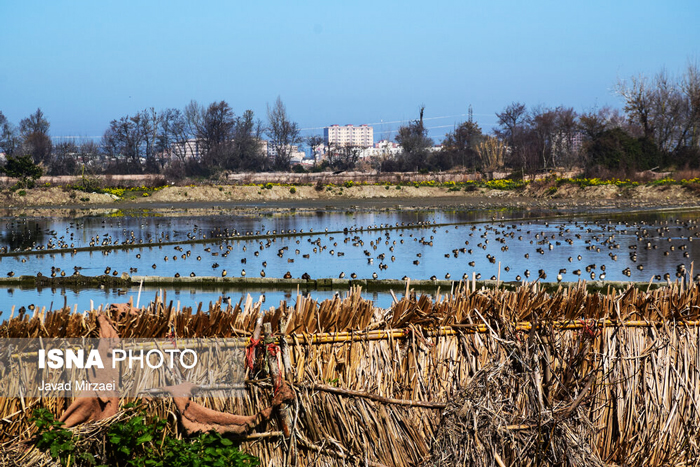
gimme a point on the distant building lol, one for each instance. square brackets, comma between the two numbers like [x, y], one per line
[295, 155]
[189, 149]
[567, 145]
[349, 135]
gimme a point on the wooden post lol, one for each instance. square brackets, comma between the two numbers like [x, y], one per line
[274, 360]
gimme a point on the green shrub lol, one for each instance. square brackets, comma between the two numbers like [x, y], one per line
[24, 169]
[52, 436]
[292, 190]
[348, 184]
[22, 193]
[138, 442]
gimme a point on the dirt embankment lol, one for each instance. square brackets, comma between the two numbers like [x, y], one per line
[538, 194]
[659, 193]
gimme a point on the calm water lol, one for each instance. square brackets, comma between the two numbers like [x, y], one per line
[622, 247]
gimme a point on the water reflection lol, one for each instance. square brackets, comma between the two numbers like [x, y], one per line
[509, 245]
[21, 233]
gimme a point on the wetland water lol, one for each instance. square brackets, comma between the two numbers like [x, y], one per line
[425, 244]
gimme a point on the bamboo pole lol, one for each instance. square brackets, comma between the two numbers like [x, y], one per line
[374, 397]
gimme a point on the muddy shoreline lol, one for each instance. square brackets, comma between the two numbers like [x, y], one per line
[213, 200]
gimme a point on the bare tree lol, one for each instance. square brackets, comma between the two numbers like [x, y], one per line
[149, 121]
[9, 140]
[172, 134]
[511, 123]
[343, 157]
[638, 102]
[542, 123]
[462, 142]
[661, 107]
[592, 124]
[194, 116]
[690, 87]
[124, 140]
[567, 129]
[415, 143]
[215, 135]
[315, 142]
[247, 153]
[552, 133]
[34, 131]
[64, 160]
[88, 154]
[283, 134]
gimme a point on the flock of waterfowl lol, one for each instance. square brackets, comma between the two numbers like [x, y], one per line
[559, 250]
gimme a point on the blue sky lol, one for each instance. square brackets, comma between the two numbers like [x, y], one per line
[88, 62]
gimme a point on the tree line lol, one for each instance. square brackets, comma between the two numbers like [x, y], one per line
[195, 141]
[658, 126]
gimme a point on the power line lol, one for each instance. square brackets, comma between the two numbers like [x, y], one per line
[403, 121]
[78, 137]
[427, 128]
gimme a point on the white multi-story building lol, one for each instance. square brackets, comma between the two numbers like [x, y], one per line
[349, 135]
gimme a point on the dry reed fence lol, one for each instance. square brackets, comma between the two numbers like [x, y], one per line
[475, 377]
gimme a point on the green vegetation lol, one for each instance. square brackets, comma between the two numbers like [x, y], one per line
[138, 441]
[24, 169]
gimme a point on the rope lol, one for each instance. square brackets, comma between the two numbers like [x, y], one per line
[250, 353]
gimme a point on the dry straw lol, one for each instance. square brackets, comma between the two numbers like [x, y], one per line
[473, 377]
